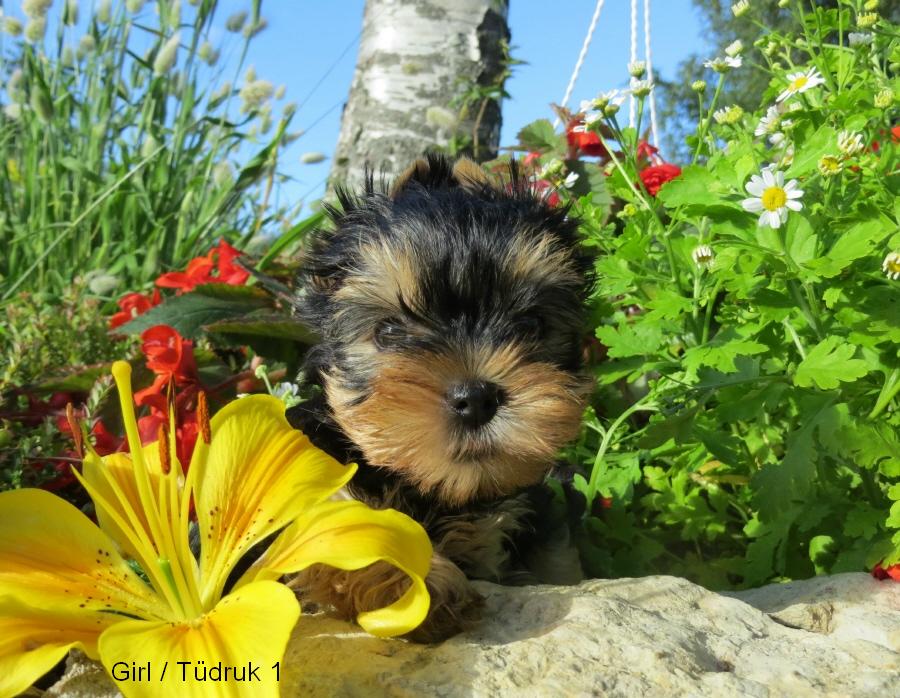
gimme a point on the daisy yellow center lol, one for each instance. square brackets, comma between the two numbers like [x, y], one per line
[892, 265]
[773, 198]
[799, 83]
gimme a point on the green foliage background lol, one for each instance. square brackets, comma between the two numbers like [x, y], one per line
[746, 425]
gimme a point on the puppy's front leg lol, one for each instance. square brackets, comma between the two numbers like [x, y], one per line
[455, 605]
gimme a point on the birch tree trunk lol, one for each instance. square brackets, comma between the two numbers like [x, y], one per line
[415, 57]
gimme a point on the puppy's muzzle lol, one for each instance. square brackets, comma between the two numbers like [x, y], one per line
[474, 403]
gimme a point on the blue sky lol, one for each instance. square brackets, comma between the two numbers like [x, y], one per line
[304, 39]
[310, 48]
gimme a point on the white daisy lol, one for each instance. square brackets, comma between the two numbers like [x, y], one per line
[772, 198]
[769, 122]
[801, 82]
[891, 266]
[570, 180]
[603, 100]
[850, 143]
[724, 64]
[740, 7]
[703, 256]
[641, 88]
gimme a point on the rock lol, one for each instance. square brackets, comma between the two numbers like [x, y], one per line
[655, 636]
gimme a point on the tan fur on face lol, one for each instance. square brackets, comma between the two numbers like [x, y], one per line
[389, 277]
[403, 422]
[542, 258]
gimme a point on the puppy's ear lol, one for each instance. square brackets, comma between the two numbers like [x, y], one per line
[436, 172]
[419, 172]
[470, 174]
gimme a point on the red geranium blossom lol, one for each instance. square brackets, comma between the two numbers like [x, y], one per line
[655, 176]
[550, 195]
[645, 151]
[197, 273]
[585, 142]
[531, 158]
[133, 304]
[186, 432]
[171, 358]
[200, 270]
[889, 572]
[895, 138]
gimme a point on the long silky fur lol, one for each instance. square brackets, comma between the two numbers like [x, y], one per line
[459, 261]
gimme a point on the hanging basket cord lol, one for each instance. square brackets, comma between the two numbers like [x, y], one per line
[584, 49]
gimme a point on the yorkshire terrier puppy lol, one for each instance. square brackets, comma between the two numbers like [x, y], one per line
[451, 316]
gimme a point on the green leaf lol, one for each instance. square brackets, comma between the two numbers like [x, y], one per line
[799, 239]
[631, 340]
[721, 352]
[265, 324]
[540, 136]
[856, 243]
[781, 486]
[205, 305]
[807, 154]
[696, 185]
[828, 364]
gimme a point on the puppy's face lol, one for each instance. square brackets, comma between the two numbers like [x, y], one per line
[451, 315]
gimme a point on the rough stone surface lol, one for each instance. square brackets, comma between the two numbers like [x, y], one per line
[656, 636]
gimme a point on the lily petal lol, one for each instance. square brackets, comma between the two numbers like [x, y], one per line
[53, 556]
[349, 535]
[112, 478]
[256, 476]
[33, 640]
[249, 627]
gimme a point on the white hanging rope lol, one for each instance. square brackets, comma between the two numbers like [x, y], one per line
[649, 59]
[632, 58]
[581, 55]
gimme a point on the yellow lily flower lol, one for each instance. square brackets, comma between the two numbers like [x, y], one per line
[65, 582]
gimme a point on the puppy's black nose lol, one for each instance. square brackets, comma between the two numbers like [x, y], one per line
[474, 402]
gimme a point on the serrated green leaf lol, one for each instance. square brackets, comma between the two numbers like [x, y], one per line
[696, 185]
[639, 339]
[828, 364]
[856, 243]
[807, 154]
[721, 353]
[539, 136]
[781, 486]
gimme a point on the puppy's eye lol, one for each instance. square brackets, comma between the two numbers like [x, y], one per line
[388, 333]
[529, 326]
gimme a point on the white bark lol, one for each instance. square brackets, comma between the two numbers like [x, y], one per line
[415, 55]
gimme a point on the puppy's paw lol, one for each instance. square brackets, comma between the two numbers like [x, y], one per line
[455, 605]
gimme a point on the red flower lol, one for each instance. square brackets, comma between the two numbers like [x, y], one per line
[655, 176]
[171, 358]
[229, 272]
[104, 442]
[645, 151]
[531, 158]
[895, 137]
[890, 572]
[585, 142]
[186, 432]
[550, 195]
[199, 270]
[133, 304]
